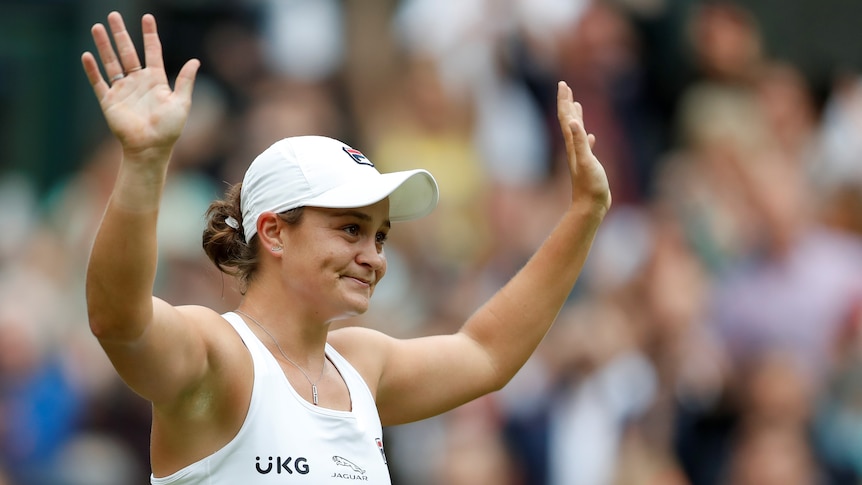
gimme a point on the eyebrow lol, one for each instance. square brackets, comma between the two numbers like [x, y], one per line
[361, 216]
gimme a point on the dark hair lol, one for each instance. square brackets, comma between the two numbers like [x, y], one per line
[226, 246]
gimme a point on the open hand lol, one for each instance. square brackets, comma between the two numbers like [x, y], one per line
[589, 181]
[141, 109]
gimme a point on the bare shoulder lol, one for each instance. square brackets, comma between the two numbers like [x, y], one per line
[199, 318]
[219, 365]
[199, 313]
[202, 345]
[219, 334]
[358, 342]
[366, 349]
[348, 340]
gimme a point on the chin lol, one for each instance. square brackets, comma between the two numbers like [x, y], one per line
[354, 309]
[359, 310]
[357, 303]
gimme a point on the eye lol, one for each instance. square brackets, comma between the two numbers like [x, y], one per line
[352, 229]
[381, 238]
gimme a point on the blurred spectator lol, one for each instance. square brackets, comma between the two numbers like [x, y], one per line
[41, 402]
[226, 36]
[428, 128]
[303, 39]
[467, 42]
[599, 56]
[793, 302]
[474, 451]
[838, 407]
[597, 381]
[97, 459]
[671, 298]
[726, 41]
[838, 176]
[773, 456]
[589, 416]
[789, 110]
[278, 107]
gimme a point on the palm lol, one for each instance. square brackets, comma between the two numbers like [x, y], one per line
[144, 114]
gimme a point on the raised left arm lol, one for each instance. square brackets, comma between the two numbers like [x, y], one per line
[423, 377]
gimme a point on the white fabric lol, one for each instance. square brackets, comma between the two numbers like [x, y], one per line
[588, 422]
[317, 171]
[286, 439]
[304, 39]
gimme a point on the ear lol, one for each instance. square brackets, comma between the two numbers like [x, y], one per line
[269, 232]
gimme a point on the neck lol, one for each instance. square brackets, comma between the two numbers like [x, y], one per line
[283, 311]
[312, 382]
[301, 341]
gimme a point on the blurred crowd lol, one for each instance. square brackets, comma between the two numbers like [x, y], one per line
[714, 338]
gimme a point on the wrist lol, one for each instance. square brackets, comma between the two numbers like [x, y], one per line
[150, 157]
[594, 208]
[139, 185]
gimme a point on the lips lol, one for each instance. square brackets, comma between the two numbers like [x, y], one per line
[364, 281]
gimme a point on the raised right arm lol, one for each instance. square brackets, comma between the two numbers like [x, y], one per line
[155, 347]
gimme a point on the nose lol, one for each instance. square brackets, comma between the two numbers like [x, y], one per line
[371, 256]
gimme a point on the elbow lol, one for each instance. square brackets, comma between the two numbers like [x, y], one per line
[112, 318]
[101, 326]
[497, 378]
[500, 381]
[101, 329]
[495, 369]
[112, 326]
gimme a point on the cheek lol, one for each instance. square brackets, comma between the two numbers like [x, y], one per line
[378, 275]
[383, 265]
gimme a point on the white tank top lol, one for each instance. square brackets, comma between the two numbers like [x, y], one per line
[287, 440]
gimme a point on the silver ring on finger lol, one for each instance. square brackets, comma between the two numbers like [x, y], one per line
[117, 77]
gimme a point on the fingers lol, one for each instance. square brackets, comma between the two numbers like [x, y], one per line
[580, 139]
[117, 63]
[571, 117]
[91, 69]
[152, 44]
[564, 109]
[120, 63]
[110, 62]
[567, 107]
[128, 56]
[589, 180]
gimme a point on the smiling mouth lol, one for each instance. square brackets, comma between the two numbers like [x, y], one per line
[358, 280]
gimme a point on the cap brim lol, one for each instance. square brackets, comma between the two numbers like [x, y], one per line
[412, 194]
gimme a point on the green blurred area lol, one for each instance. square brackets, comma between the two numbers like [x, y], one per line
[48, 115]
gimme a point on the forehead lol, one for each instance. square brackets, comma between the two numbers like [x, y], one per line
[377, 213]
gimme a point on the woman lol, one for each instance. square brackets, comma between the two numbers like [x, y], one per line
[268, 389]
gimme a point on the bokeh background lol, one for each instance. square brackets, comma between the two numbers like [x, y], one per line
[714, 338]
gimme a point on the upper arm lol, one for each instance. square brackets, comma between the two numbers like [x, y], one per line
[172, 355]
[414, 379]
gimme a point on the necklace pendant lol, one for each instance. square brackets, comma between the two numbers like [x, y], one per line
[314, 394]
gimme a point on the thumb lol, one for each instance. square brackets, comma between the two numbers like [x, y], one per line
[186, 79]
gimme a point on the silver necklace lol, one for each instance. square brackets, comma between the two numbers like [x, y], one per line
[314, 383]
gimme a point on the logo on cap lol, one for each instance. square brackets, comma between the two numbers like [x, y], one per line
[357, 156]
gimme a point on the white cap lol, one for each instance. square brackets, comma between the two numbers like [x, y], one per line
[316, 171]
